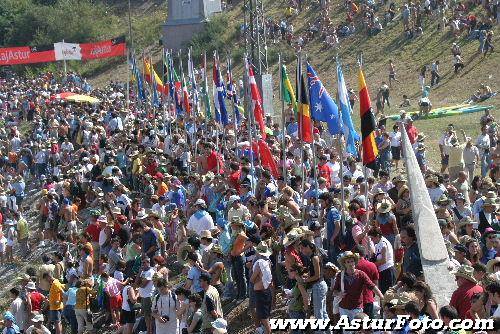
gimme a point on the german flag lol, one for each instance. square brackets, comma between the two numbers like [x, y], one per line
[305, 129]
[368, 124]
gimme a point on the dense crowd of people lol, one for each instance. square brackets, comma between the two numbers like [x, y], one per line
[148, 225]
[153, 221]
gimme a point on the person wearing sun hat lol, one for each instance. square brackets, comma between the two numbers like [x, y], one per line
[9, 324]
[487, 217]
[387, 220]
[38, 327]
[349, 285]
[461, 298]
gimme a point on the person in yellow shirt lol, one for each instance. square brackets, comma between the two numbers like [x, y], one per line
[56, 306]
[137, 168]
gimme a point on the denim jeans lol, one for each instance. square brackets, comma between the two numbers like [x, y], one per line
[239, 276]
[296, 315]
[350, 314]
[319, 290]
[485, 163]
[229, 286]
[70, 316]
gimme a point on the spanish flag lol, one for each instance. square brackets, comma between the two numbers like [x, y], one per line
[368, 124]
[305, 129]
[148, 68]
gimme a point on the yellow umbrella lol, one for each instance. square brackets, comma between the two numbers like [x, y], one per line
[82, 98]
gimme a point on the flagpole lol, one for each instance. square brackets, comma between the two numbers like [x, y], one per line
[182, 86]
[301, 109]
[233, 95]
[314, 164]
[64, 60]
[342, 195]
[250, 120]
[128, 81]
[283, 142]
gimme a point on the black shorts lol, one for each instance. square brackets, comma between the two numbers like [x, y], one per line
[396, 152]
[392, 76]
[263, 300]
[127, 317]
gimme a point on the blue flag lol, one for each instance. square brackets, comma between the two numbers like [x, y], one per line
[220, 94]
[136, 72]
[351, 136]
[323, 108]
[232, 94]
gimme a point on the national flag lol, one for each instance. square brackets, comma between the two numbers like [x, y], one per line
[149, 73]
[256, 102]
[219, 94]
[305, 125]
[192, 81]
[232, 94]
[266, 157]
[137, 76]
[288, 93]
[324, 108]
[174, 84]
[368, 124]
[206, 96]
[350, 135]
[185, 97]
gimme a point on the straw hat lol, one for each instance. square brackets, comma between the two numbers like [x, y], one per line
[384, 206]
[443, 200]
[466, 272]
[491, 264]
[219, 326]
[37, 318]
[206, 234]
[347, 255]
[421, 137]
[263, 250]
[208, 177]
[465, 221]
[217, 250]
[399, 178]
[491, 202]
[402, 190]
[236, 221]
[291, 237]
[116, 210]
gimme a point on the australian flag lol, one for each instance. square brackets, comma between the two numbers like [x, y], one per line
[323, 108]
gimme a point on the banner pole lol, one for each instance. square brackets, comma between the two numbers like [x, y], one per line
[128, 81]
[64, 60]
[283, 142]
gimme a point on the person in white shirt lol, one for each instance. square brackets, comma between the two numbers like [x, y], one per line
[17, 308]
[384, 259]
[146, 290]
[395, 137]
[67, 146]
[444, 145]
[201, 219]
[38, 327]
[483, 144]
[334, 168]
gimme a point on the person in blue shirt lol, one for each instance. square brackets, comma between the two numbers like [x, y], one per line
[332, 217]
[193, 276]
[9, 323]
[292, 127]
[69, 306]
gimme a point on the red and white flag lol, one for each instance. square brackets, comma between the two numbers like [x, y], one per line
[256, 102]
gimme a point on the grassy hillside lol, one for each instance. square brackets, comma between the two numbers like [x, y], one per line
[223, 34]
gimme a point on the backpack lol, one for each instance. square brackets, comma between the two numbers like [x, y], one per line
[157, 296]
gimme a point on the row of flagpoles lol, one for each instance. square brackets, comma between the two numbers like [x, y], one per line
[310, 100]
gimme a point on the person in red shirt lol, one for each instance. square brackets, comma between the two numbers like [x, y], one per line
[213, 159]
[324, 170]
[370, 269]
[234, 177]
[411, 130]
[461, 299]
[94, 229]
[354, 283]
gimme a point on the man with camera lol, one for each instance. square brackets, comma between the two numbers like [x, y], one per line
[164, 308]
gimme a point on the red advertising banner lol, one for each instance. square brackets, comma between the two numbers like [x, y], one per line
[26, 55]
[113, 48]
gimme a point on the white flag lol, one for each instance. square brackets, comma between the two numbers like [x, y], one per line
[67, 51]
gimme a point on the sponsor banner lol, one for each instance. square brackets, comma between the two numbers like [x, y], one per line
[113, 48]
[26, 55]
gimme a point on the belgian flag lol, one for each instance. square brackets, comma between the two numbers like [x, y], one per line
[368, 124]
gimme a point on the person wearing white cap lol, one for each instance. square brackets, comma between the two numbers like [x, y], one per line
[38, 327]
[201, 219]
[237, 209]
